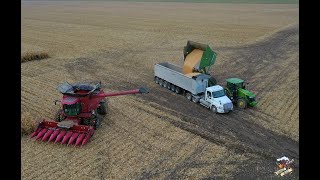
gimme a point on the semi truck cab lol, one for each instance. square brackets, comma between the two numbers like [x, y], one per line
[216, 99]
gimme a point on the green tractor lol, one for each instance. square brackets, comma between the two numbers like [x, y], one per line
[236, 91]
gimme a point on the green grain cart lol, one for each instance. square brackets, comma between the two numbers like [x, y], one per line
[207, 60]
[238, 94]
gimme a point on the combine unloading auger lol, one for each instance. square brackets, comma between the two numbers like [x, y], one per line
[82, 105]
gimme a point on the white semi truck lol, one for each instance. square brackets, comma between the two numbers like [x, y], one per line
[195, 86]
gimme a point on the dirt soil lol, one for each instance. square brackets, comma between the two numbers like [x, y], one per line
[162, 135]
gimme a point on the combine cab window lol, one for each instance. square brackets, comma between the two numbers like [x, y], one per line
[72, 109]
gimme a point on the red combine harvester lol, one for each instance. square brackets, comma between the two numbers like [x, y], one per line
[82, 106]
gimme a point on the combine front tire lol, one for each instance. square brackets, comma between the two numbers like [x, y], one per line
[242, 103]
[58, 117]
[102, 109]
[98, 121]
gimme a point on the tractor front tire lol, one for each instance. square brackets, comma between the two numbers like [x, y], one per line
[242, 103]
[58, 117]
[102, 109]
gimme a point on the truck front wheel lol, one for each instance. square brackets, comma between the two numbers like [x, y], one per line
[214, 109]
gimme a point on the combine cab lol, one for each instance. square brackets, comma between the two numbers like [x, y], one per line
[82, 106]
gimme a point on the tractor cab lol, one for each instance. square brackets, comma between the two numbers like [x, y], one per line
[235, 83]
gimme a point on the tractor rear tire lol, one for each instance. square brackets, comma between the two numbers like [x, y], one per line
[242, 103]
[102, 109]
[58, 117]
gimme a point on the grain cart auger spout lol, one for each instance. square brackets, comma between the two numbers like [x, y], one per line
[82, 105]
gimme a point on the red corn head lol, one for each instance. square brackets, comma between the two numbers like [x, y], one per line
[35, 132]
[54, 135]
[87, 137]
[48, 133]
[66, 137]
[41, 133]
[80, 138]
[60, 136]
[85, 140]
[79, 134]
[73, 137]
